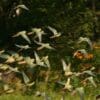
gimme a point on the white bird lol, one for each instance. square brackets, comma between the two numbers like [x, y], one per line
[46, 97]
[23, 34]
[21, 6]
[4, 67]
[2, 51]
[30, 61]
[91, 80]
[44, 45]
[18, 9]
[38, 60]
[66, 68]
[66, 85]
[16, 55]
[54, 31]
[8, 58]
[11, 59]
[85, 39]
[38, 33]
[25, 47]
[46, 61]
[4, 56]
[80, 90]
[88, 72]
[14, 69]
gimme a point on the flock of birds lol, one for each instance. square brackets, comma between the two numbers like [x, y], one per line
[37, 33]
[13, 57]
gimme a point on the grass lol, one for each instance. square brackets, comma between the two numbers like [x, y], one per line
[54, 96]
[90, 94]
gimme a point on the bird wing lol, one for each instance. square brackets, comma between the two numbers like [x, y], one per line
[66, 67]
[54, 31]
[89, 72]
[26, 38]
[22, 6]
[80, 90]
[92, 81]
[37, 57]
[25, 78]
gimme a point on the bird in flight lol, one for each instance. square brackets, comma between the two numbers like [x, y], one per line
[23, 34]
[66, 68]
[54, 31]
[21, 6]
[85, 39]
[38, 33]
[23, 47]
[38, 60]
[44, 45]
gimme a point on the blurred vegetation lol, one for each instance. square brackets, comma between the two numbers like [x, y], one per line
[74, 19]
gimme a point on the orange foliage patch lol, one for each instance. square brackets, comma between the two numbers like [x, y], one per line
[81, 56]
